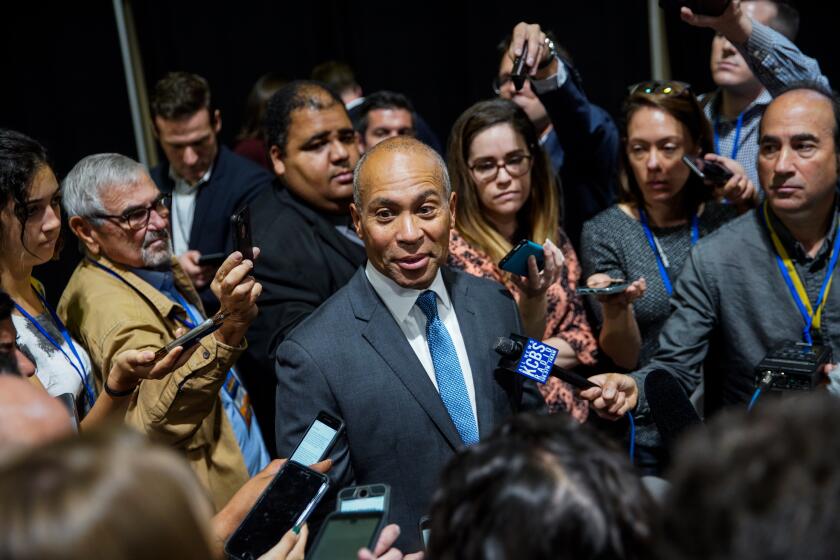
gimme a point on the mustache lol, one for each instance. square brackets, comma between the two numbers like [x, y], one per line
[152, 236]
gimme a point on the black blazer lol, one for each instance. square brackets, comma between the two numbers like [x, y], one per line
[351, 359]
[303, 261]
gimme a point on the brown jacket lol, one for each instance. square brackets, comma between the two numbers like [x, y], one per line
[183, 409]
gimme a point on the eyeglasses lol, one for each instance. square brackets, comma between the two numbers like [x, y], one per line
[138, 218]
[658, 87]
[486, 170]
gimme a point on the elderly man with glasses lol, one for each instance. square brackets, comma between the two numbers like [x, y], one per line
[580, 138]
[129, 292]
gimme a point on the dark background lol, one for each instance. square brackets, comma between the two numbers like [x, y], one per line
[64, 83]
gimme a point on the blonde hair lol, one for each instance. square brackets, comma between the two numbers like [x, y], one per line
[538, 218]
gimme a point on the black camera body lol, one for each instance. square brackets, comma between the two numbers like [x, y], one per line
[793, 366]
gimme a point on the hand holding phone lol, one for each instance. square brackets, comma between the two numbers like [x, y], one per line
[345, 533]
[192, 337]
[516, 261]
[711, 172]
[318, 439]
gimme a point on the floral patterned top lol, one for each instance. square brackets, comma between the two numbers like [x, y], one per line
[565, 316]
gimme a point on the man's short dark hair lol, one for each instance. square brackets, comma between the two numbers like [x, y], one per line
[180, 94]
[541, 487]
[763, 485]
[300, 94]
[816, 87]
[6, 306]
[381, 100]
[337, 75]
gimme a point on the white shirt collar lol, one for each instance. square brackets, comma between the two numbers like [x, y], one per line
[399, 300]
[181, 182]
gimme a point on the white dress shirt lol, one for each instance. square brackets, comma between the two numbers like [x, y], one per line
[183, 210]
[401, 304]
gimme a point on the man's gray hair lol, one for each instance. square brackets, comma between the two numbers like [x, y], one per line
[82, 188]
[406, 144]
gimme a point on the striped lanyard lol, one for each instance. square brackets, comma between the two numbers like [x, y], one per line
[810, 315]
[654, 246]
[76, 363]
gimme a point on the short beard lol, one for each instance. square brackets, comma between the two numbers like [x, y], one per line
[155, 258]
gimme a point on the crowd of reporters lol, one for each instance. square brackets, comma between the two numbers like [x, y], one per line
[372, 291]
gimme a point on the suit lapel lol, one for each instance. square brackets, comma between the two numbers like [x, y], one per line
[385, 336]
[476, 337]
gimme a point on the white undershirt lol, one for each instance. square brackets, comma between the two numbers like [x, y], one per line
[183, 210]
[401, 304]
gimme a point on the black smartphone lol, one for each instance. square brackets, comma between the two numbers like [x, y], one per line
[191, 338]
[287, 502]
[606, 290]
[425, 530]
[710, 171]
[372, 497]
[211, 259]
[516, 261]
[699, 7]
[344, 533]
[519, 72]
[241, 224]
[318, 439]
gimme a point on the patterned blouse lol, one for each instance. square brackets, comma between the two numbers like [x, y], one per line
[565, 316]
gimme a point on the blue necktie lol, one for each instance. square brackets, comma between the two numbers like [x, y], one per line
[450, 380]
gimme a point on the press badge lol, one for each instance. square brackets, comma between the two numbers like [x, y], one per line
[537, 360]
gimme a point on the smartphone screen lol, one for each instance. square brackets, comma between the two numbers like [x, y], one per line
[343, 534]
[317, 440]
[289, 498]
[374, 497]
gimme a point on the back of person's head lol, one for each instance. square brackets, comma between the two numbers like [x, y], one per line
[763, 485]
[538, 217]
[258, 97]
[294, 96]
[676, 100]
[21, 157]
[180, 94]
[29, 417]
[542, 487]
[380, 100]
[105, 494]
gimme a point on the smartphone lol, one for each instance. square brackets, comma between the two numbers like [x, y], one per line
[318, 439]
[519, 72]
[710, 171]
[700, 7]
[211, 259]
[516, 261]
[191, 338]
[425, 530]
[373, 497]
[287, 502]
[241, 224]
[606, 290]
[344, 533]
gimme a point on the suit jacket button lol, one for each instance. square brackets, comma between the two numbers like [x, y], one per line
[206, 354]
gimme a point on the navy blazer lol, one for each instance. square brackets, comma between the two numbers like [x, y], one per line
[351, 359]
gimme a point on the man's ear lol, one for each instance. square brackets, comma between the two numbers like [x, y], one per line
[357, 219]
[276, 162]
[84, 231]
[217, 121]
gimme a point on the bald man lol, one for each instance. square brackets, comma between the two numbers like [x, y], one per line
[403, 354]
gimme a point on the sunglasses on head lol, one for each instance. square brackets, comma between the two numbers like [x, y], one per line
[658, 87]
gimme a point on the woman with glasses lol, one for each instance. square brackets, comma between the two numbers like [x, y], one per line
[30, 235]
[506, 193]
[664, 210]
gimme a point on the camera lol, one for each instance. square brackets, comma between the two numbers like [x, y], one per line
[793, 366]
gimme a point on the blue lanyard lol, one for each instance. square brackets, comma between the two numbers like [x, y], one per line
[77, 365]
[783, 261]
[663, 272]
[190, 324]
[735, 145]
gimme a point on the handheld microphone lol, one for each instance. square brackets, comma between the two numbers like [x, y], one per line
[535, 360]
[670, 407]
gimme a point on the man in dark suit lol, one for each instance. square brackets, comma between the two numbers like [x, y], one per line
[302, 225]
[207, 182]
[404, 353]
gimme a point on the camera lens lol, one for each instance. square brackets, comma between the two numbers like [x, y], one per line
[363, 493]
